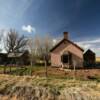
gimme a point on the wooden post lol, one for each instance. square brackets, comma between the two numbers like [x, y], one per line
[10, 69]
[45, 60]
[31, 70]
[45, 68]
[4, 69]
[74, 62]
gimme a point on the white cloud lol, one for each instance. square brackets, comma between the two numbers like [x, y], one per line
[28, 29]
[91, 41]
[85, 46]
[91, 44]
[54, 41]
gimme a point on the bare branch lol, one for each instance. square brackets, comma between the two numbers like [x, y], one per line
[14, 42]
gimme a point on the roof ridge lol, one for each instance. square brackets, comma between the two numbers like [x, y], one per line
[68, 41]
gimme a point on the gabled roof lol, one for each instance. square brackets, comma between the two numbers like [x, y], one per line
[15, 55]
[3, 54]
[18, 54]
[89, 51]
[67, 41]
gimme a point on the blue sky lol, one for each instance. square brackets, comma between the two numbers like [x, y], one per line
[81, 18]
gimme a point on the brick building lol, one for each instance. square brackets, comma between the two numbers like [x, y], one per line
[66, 54]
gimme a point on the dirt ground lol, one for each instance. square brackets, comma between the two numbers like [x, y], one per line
[79, 73]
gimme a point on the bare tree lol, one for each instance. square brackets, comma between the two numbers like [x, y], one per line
[2, 35]
[34, 48]
[47, 43]
[14, 42]
[34, 44]
[31, 49]
[42, 45]
[44, 48]
[39, 47]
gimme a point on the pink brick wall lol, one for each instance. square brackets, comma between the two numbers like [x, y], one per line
[56, 54]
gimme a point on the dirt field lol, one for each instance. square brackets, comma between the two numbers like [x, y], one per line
[54, 72]
[80, 73]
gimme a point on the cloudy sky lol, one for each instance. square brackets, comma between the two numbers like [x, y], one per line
[81, 18]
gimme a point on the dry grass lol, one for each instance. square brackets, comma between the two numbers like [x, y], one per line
[58, 86]
[52, 72]
[36, 88]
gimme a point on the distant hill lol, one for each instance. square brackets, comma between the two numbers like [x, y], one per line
[97, 59]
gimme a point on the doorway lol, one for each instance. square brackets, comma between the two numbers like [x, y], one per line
[66, 58]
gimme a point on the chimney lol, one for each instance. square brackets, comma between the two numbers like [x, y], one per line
[65, 35]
